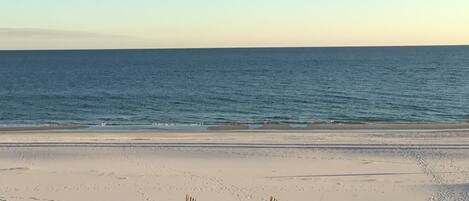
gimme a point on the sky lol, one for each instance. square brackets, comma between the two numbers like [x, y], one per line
[104, 24]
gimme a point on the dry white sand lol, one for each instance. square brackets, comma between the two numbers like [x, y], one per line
[235, 166]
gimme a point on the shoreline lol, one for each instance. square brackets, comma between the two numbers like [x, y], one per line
[242, 127]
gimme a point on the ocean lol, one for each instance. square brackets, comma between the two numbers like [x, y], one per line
[194, 87]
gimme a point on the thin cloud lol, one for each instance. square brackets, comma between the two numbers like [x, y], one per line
[51, 34]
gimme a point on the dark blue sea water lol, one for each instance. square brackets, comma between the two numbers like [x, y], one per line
[215, 86]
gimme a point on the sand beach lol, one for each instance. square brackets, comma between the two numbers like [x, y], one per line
[328, 165]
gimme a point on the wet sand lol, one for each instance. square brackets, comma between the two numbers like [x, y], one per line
[227, 165]
[46, 127]
[346, 126]
[391, 126]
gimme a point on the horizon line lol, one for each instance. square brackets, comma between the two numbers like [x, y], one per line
[235, 47]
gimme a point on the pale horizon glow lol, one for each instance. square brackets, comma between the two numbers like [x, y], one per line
[107, 24]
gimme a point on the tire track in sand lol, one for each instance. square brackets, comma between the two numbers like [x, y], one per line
[426, 160]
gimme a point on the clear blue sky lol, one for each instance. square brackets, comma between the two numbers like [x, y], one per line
[57, 24]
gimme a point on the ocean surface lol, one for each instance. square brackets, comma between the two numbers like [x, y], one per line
[192, 87]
